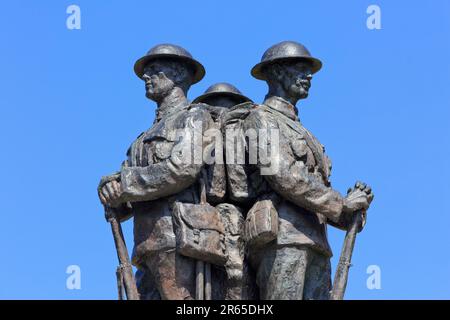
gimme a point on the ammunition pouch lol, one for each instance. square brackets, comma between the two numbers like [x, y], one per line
[261, 224]
[199, 232]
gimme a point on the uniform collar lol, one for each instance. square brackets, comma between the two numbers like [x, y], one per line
[168, 110]
[283, 106]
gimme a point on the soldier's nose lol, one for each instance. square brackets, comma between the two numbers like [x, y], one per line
[309, 77]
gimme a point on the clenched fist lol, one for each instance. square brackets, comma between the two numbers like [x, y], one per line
[109, 191]
[358, 198]
[357, 202]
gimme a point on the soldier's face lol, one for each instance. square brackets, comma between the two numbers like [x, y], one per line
[158, 79]
[296, 79]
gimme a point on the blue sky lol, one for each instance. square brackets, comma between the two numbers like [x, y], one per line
[71, 105]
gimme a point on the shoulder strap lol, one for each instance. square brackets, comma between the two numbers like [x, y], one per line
[311, 141]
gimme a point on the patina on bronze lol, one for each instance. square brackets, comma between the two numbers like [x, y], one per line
[296, 265]
[169, 51]
[222, 94]
[232, 230]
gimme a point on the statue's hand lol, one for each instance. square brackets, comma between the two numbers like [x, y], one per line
[358, 198]
[110, 191]
[357, 201]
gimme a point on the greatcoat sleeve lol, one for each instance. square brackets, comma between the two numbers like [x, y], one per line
[289, 175]
[178, 171]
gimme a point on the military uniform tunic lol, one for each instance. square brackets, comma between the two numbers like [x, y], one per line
[163, 164]
[298, 182]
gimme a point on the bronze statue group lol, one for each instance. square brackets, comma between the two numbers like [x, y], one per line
[234, 230]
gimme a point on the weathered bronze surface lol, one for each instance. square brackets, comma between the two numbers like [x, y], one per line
[231, 199]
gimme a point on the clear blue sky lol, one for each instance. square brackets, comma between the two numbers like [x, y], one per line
[71, 105]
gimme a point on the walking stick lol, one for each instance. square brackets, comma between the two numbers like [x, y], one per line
[199, 280]
[203, 269]
[203, 281]
[341, 276]
[124, 268]
[119, 279]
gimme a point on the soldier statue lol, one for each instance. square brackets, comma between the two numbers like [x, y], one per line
[295, 195]
[155, 176]
[237, 283]
[230, 199]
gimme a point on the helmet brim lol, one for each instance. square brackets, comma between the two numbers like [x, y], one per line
[239, 97]
[258, 70]
[199, 70]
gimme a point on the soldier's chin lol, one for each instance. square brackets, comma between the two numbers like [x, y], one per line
[299, 92]
[152, 95]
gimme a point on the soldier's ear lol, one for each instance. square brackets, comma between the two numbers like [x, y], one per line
[191, 73]
[277, 71]
[184, 73]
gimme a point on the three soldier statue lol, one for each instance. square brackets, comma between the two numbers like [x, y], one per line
[230, 199]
